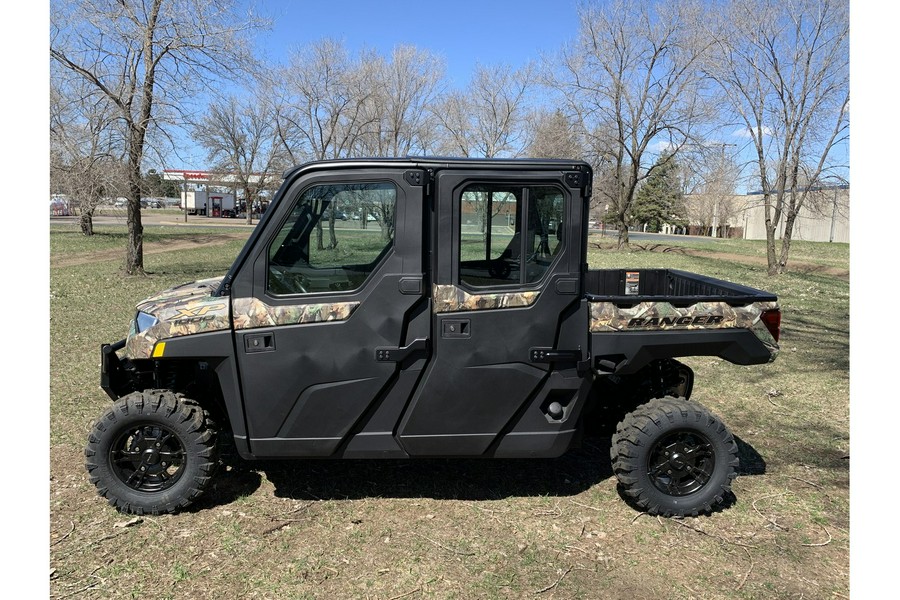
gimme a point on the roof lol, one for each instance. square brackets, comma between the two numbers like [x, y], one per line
[441, 162]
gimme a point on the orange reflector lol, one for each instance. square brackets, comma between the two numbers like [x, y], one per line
[159, 349]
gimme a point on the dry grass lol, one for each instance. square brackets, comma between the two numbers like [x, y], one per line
[467, 528]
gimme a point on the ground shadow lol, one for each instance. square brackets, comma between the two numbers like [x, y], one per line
[229, 484]
[752, 462]
[440, 479]
[728, 500]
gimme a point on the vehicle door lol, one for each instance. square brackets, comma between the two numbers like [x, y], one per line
[506, 270]
[321, 302]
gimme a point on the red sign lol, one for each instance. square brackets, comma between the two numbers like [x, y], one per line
[188, 175]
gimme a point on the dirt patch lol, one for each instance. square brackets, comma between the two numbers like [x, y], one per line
[193, 242]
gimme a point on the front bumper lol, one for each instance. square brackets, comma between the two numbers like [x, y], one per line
[113, 377]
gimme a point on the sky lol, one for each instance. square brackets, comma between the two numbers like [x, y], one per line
[464, 32]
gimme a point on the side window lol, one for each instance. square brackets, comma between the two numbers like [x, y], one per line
[333, 239]
[490, 235]
[544, 240]
[509, 234]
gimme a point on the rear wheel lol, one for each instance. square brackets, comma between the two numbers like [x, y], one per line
[152, 452]
[674, 457]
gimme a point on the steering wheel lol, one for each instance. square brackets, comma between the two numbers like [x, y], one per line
[288, 283]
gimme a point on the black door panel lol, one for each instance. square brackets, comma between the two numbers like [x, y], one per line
[310, 389]
[481, 380]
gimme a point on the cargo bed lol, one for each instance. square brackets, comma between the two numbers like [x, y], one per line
[666, 313]
[680, 288]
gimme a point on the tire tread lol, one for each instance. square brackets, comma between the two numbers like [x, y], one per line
[171, 409]
[635, 434]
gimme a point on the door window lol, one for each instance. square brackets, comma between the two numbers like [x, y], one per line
[333, 238]
[509, 234]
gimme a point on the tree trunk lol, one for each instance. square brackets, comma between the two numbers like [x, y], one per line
[87, 223]
[623, 234]
[331, 234]
[134, 255]
[248, 200]
[786, 242]
[319, 244]
[770, 237]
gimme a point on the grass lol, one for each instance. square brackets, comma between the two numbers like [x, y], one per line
[818, 253]
[467, 528]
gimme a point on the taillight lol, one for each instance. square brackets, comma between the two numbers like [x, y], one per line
[772, 321]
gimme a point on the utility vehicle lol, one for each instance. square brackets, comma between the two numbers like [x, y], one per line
[463, 322]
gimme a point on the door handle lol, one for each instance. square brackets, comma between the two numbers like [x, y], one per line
[259, 342]
[395, 354]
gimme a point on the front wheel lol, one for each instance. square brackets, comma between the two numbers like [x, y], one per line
[674, 457]
[152, 452]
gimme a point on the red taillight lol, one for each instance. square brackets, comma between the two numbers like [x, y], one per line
[772, 321]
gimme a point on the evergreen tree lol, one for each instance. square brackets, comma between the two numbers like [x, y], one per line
[660, 200]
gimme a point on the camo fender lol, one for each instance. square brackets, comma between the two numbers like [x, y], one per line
[180, 311]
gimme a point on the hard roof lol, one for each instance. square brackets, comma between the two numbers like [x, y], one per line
[442, 162]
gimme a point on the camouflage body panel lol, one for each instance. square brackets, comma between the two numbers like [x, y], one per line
[449, 298]
[182, 310]
[250, 313]
[661, 316]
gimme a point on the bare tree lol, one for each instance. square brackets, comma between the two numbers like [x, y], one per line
[321, 110]
[553, 136]
[784, 68]
[398, 120]
[710, 177]
[488, 118]
[143, 56]
[85, 149]
[406, 86]
[633, 81]
[240, 136]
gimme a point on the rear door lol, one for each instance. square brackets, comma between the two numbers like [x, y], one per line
[323, 306]
[506, 274]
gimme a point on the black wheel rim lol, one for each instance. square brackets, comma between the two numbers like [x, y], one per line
[681, 462]
[147, 458]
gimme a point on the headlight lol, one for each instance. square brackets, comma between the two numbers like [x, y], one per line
[144, 321]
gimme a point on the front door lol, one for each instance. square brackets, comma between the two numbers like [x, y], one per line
[330, 288]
